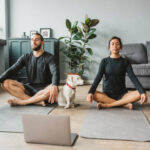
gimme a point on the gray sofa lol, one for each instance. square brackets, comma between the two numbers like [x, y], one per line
[139, 56]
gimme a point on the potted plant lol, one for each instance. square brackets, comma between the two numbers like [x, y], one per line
[77, 49]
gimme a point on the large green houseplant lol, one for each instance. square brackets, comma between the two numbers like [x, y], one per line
[77, 49]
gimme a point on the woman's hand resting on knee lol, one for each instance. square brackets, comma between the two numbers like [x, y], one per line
[143, 98]
[90, 98]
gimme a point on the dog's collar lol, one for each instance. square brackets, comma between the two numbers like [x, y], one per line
[70, 86]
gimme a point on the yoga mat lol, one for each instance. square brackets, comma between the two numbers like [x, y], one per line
[116, 123]
[11, 117]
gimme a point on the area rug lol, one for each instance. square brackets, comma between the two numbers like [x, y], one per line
[11, 117]
[116, 123]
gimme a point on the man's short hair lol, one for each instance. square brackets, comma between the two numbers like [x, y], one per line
[41, 37]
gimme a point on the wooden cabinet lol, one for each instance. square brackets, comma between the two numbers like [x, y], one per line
[20, 46]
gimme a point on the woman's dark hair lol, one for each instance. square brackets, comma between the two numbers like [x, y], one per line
[115, 37]
[41, 37]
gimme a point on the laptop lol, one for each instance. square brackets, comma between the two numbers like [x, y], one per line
[48, 129]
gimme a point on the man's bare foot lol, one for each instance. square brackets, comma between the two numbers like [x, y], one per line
[129, 106]
[15, 102]
[42, 103]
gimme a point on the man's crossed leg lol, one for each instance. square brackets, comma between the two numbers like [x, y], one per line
[16, 89]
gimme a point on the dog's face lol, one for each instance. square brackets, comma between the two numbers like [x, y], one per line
[75, 79]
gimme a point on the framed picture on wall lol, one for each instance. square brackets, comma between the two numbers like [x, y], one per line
[46, 32]
[33, 32]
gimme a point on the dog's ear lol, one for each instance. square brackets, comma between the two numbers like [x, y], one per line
[70, 78]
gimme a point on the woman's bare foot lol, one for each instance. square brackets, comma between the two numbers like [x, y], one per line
[104, 105]
[15, 102]
[99, 106]
[129, 106]
[42, 103]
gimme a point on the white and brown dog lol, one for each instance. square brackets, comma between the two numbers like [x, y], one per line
[67, 93]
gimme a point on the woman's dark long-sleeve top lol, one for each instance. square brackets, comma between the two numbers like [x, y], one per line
[40, 70]
[114, 70]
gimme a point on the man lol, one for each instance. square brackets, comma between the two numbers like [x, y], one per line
[42, 76]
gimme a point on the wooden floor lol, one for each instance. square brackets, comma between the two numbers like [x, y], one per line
[15, 141]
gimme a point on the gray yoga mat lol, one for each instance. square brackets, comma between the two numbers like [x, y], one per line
[11, 117]
[116, 123]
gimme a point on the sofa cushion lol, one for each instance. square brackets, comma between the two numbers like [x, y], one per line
[145, 81]
[135, 53]
[148, 50]
[141, 69]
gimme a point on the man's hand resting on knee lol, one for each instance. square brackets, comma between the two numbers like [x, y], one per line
[53, 94]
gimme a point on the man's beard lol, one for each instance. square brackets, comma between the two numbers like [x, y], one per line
[37, 48]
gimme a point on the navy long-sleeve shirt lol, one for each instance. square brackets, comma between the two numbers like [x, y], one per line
[114, 70]
[40, 70]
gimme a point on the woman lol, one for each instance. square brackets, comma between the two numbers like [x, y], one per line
[115, 92]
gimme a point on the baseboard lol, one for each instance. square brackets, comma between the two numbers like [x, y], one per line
[85, 82]
[62, 81]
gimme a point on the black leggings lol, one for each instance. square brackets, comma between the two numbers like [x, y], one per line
[116, 96]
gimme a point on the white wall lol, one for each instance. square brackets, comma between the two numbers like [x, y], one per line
[128, 19]
[2, 20]
[2, 34]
